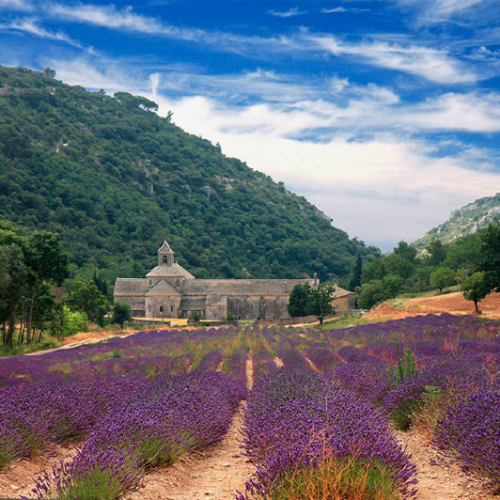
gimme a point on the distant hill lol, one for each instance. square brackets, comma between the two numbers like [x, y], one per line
[464, 221]
[115, 180]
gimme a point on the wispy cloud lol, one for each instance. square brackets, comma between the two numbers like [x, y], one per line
[18, 5]
[106, 16]
[32, 27]
[444, 7]
[342, 9]
[432, 64]
[289, 13]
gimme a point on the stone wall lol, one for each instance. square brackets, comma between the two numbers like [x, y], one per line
[162, 307]
[258, 307]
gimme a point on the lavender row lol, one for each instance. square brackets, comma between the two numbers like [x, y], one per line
[304, 433]
[180, 347]
[150, 426]
[470, 431]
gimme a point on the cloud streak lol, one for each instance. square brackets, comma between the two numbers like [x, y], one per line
[432, 64]
[31, 27]
[289, 13]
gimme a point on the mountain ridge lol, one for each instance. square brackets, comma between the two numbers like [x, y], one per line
[464, 221]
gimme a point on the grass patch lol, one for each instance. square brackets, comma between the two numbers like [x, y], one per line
[347, 321]
[47, 342]
[336, 478]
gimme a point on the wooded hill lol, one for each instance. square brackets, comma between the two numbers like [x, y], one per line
[115, 180]
[464, 221]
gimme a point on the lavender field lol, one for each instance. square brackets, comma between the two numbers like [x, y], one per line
[320, 421]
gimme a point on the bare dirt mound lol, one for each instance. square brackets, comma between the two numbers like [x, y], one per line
[453, 303]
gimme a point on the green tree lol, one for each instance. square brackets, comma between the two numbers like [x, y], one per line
[194, 317]
[13, 275]
[85, 297]
[320, 303]
[397, 265]
[74, 322]
[121, 313]
[490, 253]
[393, 284]
[357, 271]
[299, 298]
[436, 252]
[407, 252]
[441, 277]
[46, 261]
[475, 288]
[369, 294]
[49, 73]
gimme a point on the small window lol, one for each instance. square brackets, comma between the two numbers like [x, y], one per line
[171, 309]
[150, 282]
[161, 309]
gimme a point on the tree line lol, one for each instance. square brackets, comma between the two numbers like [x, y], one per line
[472, 262]
[30, 267]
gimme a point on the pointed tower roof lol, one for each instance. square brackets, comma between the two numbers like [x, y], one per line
[165, 248]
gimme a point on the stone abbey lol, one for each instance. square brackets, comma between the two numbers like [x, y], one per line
[169, 291]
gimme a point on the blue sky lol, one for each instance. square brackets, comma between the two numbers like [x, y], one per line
[385, 114]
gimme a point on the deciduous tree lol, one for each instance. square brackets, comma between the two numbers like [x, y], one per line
[475, 288]
[121, 313]
[441, 277]
[320, 303]
[299, 298]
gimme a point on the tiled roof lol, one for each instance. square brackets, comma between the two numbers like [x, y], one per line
[340, 292]
[173, 271]
[240, 287]
[131, 287]
[163, 289]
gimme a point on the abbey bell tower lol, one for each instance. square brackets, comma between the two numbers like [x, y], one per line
[165, 255]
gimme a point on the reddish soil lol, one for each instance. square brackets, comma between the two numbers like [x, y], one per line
[453, 303]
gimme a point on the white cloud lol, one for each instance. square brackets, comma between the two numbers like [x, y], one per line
[382, 190]
[342, 9]
[331, 11]
[20, 5]
[469, 112]
[30, 26]
[289, 13]
[432, 64]
[106, 16]
[443, 7]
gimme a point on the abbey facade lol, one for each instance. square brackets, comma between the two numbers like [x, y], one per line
[169, 291]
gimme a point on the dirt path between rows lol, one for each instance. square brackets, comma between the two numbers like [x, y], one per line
[16, 480]
[438, 478]
[217, 472]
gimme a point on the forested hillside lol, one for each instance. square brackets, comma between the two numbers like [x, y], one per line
[115, 180]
